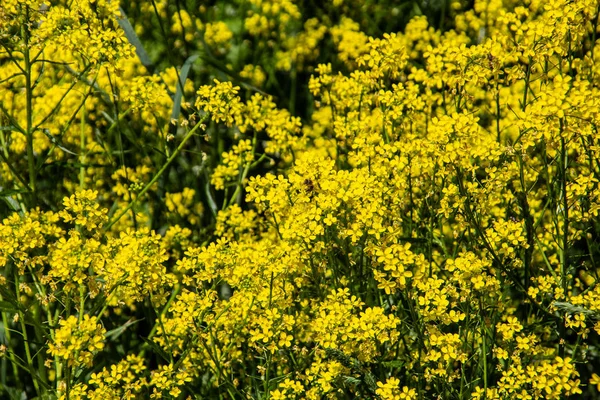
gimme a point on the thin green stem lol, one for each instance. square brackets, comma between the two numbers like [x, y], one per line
[240, 183]
[21, 317]
[11, 356]
[158, 174]
[82, 151]
[484, 350]
[29, 107]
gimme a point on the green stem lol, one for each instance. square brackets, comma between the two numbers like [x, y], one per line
[25, 336]
[50, 320]
[82, 151]
[526, 90]
[11, 356]
[240, 183]
[484, 350]
[498, 138]
[29, 107]
[564, 256]
[163, 312]
[158, 174]
[81, 302]
[565, 213]
[4, 156]
[39, 336]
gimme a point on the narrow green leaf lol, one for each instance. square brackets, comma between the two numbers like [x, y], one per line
[46, 396]
[185, 70]
[12, 203]
[6, 306]
[157, 349]
[416, 9]
[134, 40]
[211, 201]
[115, 333]
[13, 393]
[55, 142]
[8, 296]
[393, 364]
[350, 380]
[11, 192]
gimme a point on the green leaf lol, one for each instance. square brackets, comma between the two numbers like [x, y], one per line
[185, 70]
[115, 333]
[134, 40]
[12, 203]
[12, 306]
[350, 380]
[416, 9]
[13, 393]
[11, 192]
[55, 142]
[157, 349]
[393, 364]
[46, 396]
[6, 306]
[211, 201]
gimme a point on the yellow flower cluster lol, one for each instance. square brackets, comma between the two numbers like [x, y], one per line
[87, 29]
[390, 390]
[253, 73]
[122, 380]
[344, 212]
[76, 341]
[83, 210]
[221, 101]
[23, 234]
[182, 205]
[340, 325]
[218, 36]
[266, 16]
[232, 164]
[146, 93]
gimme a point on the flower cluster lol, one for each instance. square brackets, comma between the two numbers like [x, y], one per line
[221, 101]
[76, 342]
[364, 203]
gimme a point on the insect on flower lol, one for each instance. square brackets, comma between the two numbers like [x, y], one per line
[310, 187]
